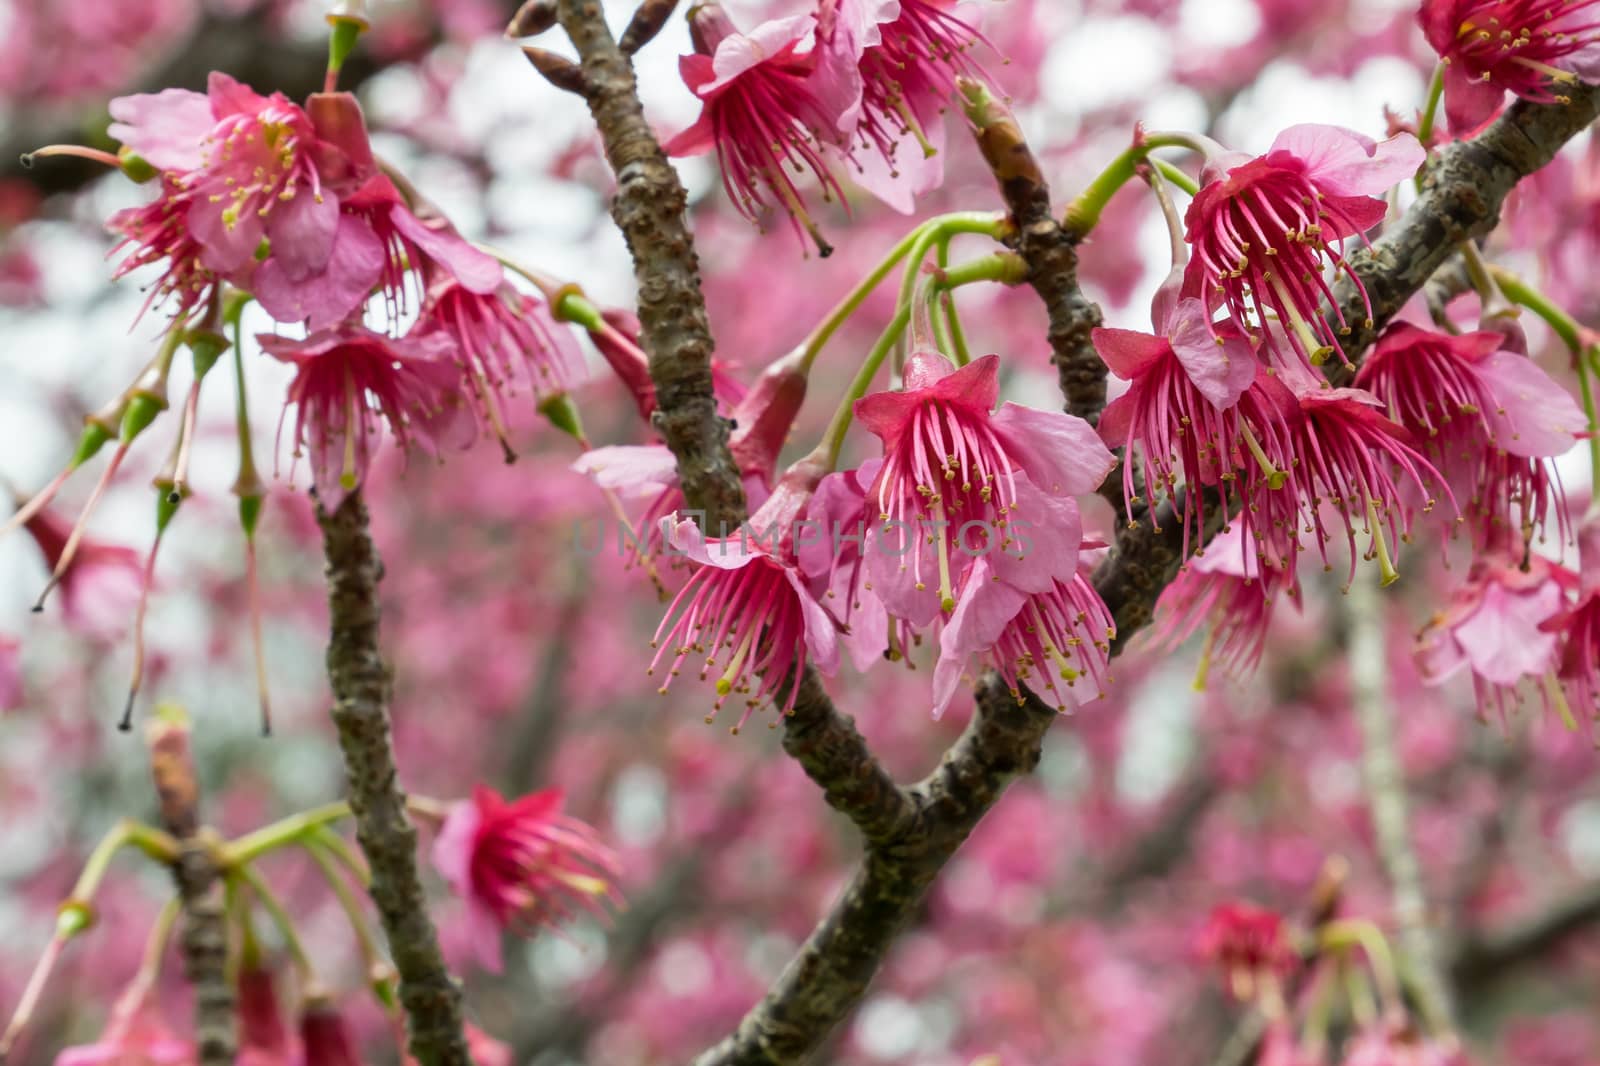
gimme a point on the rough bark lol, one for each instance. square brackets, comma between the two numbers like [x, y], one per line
[203, 941]
[360, 681]
[1463, 192]
[649, 210]
[1048, 249]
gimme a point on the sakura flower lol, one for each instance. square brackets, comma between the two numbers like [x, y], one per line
[1345, 455]
[498, 339]
[747, 595]
[1497, 626]
[133, 1034]
[350, 379]
[961, 480]
[325, 1039]
[769, 106]
[1189, 411]
[100, 587]
[249, 163]
[1229, 589]
[1262, 229]
[1249, 943]
[1489, 420]
[1537, 49]
[1049, 640]
[1578, 626]
[520, 865]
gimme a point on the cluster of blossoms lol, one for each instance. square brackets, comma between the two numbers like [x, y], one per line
[857, 85]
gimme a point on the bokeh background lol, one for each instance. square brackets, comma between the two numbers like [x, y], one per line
[1064, 931]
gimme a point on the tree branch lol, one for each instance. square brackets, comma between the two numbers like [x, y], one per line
[204, 940]
[1463, 192]
[1487, 956]
[1386, 795]
[1048, 249]
[649, 210]
[360, 681]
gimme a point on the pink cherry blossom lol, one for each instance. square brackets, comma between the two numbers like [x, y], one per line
[1496, 626]
[957, 474]
[350, 379]
[1536, 49]
[1230, 592]
[769, 106]
[133, 1034]
[520, 865]
[1489, 420]
[748, 595]
[1249, 943]
[1262, 229]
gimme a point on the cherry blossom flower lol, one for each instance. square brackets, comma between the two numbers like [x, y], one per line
[747, 595]
[1497, 625]
[350, 379]
[1191, 412]
[1488, 419]
[100, 587]
[1537, 49]
[520, 865]
[1263, 228]
[133, 1034]
[1249, 943]
[1345, 456]
[769, 106]
[957, 475]
[1049, 641]
[1233, 592]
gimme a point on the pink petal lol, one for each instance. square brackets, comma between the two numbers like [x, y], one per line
[1469, 102]
[168, 129]
[822, 637]
[452, 848]
[982, 613]
[633, 471]
[1537, 417]
[477, 271]
[1128, 352]
[1502, 638]
[1344, 163]
[354, 266]
[1220, 372]
[1061, 453]
[739, 52]
[302, 231]
[1046, 533]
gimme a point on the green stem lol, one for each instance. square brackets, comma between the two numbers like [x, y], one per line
[1177, 176]
[1003, 267]
[341, 850]
[280, 917]
[378, 972]
[958, 337]
[928, 236]
[1084, 212]
[1343, 934]
[1430, 109]
[253, 845]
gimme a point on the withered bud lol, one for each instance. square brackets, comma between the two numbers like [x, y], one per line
[559, 71]
[172, 767]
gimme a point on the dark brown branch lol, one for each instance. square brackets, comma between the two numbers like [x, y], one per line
[1048, 249]
[649, 210]
[1462, 196]
[204, 939]
[360, 681]
[831, 973]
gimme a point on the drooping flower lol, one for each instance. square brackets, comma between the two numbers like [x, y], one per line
[325, 1038]
[1497, 625]
[520, 865]
[1249, 943]
[1191, 413]
[1537, 49]
[1050, 641]
[1345, 457]
[1578, 626]
[349, 380]
[1263, 228]
[1233, 592]
[747, 597]
[100, 587]
[960, 481]
[770, 106]
[1488, 419]
[134, 1034]
[501, 339]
